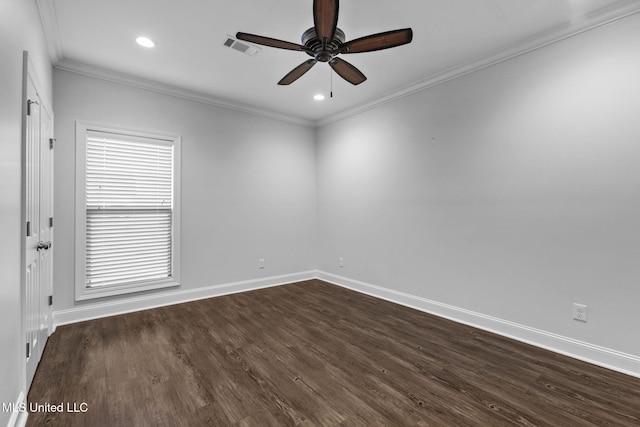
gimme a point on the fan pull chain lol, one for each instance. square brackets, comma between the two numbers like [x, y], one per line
[331, 73]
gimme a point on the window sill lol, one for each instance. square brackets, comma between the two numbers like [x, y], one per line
[90, 294]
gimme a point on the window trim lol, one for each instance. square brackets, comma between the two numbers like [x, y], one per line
[81, 291]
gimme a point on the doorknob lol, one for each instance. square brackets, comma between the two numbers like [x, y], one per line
[43, 245]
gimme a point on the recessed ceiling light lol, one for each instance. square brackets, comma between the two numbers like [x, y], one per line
[145, 42]
[319, 97]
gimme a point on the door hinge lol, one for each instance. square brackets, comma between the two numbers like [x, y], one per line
[50, 300]
[28, 350]
[51, 141]
[28, 228]
[50, 222]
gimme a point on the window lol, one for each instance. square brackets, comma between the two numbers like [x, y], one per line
[127, 211]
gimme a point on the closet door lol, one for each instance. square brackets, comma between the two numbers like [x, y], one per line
[38, 229]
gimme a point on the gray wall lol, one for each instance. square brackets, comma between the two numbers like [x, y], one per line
[20, 30]
[248, 183]
[512, 192]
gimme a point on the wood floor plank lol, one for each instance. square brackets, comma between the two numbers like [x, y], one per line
[314, 354]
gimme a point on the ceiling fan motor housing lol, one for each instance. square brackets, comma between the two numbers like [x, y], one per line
[314, 47]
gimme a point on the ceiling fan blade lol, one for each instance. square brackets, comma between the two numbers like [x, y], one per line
[378, 41]
[268, 41]
[297, 72]
[347, 71]
[325, 19]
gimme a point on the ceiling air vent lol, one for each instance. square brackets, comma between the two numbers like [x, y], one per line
[241, 46]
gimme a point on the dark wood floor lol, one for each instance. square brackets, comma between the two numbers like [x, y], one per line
[314, 354]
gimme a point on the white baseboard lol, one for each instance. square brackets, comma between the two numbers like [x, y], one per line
[148, 301]
[596, 355]
[18, 417]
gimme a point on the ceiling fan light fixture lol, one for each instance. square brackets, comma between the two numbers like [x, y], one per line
[145, 42]
[319, 97]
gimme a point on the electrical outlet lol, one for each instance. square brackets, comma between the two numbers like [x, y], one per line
[261, 263]
[340, 262]
[580, 312]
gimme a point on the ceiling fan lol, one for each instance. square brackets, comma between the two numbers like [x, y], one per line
[325, 41]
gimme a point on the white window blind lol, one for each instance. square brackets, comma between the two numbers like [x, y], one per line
[129, 209]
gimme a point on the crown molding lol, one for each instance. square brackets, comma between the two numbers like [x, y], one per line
[49, 20]
[596, 19]
[178, 92]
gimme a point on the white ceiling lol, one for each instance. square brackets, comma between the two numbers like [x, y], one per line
[451, 37]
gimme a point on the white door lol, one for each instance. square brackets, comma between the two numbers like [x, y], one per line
[38, 182]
